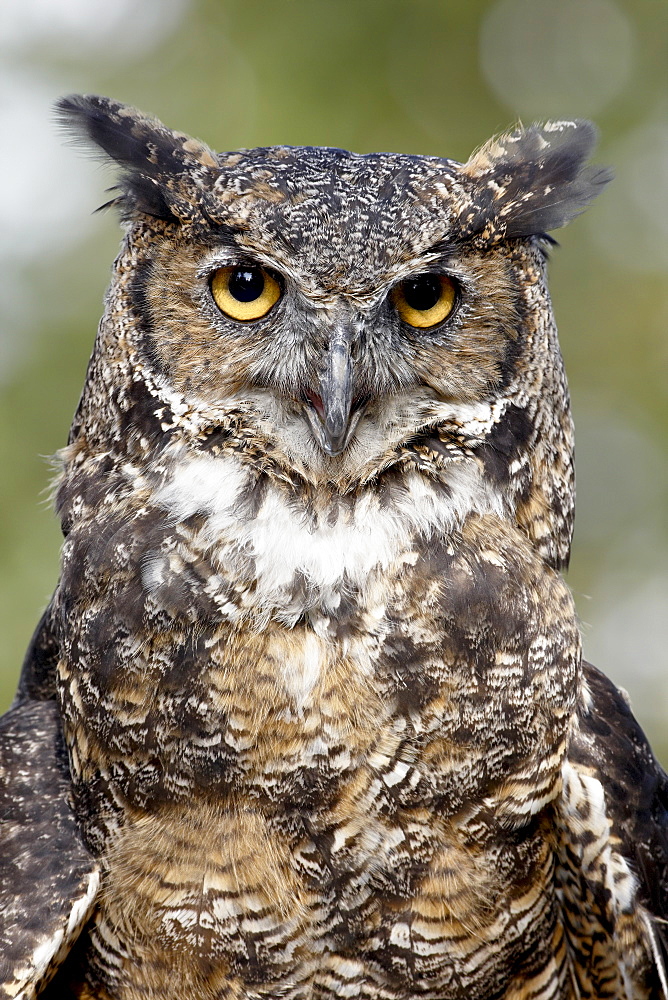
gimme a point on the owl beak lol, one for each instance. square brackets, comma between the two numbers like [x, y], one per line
[331, 414]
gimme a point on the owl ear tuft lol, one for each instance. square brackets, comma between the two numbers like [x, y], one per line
[159, 168]
[532, 180]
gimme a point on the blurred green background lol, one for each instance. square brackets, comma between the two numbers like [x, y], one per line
[425, 76]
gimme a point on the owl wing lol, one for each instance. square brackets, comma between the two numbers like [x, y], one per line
[38, 673]
[48, 880]
[613, 819]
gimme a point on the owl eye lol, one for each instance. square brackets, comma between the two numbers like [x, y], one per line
[244, 293]
[425, 300]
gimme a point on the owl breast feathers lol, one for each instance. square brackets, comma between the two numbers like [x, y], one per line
[307, 715]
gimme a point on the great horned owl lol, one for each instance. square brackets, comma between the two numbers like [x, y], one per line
[307, 715]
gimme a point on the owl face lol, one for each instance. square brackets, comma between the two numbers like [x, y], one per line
[329, 316]
[333, 349]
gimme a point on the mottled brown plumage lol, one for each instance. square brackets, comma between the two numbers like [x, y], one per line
[318, 675]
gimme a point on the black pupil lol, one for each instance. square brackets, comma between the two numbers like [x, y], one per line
[422, 293]
[246, 284]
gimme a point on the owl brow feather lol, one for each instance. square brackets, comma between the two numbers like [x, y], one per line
[444, 249]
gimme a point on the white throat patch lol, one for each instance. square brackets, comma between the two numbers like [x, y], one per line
[332, 551]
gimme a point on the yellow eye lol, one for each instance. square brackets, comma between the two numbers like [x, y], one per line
[244, 293]
[425, 300]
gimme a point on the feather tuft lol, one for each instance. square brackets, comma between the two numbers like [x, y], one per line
[157, 165]
[532, 180]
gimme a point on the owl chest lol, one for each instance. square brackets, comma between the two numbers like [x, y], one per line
[255, 659]
[320, 732]
[283, 651]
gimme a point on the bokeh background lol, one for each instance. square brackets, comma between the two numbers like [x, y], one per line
[425, 76]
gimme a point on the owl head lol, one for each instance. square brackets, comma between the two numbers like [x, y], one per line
[334, 318]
